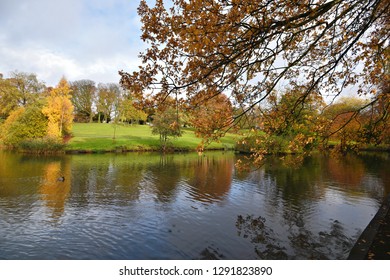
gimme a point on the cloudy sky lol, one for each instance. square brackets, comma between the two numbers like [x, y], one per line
[78, 39]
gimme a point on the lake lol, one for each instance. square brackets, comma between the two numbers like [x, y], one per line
[186, 206]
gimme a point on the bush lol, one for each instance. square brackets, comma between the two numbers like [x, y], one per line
[23, 124]
[41, 145]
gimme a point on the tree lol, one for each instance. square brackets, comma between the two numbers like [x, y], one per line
[287, 115]
[20, 90]
[286, 124]
[198, 49]
[24, 124]
[166, 124]
[376, 129]
[345, 119]
[28, 87]
[130, 113]
[59, 110]
[211, 118]
[83, 98]
[107, 94]
[7, 98]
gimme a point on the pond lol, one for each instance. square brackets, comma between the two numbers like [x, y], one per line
[186, 206]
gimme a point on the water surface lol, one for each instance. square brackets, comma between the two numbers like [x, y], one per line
[185, 206]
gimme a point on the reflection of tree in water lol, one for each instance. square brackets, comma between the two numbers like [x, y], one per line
[302, 243]
[210, 253]
[265, 241]
[165, 176]
[105, 179]
[307, 244]
[347, 171]
[290, 191]
[212, 178]
[378, 166]
[55, 192]
[294, 184]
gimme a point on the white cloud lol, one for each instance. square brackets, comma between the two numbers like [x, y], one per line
[51, 66]
[78, 39]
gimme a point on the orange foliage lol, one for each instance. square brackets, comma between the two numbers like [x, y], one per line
[59, 110]
[198, 45]
[200, 49]
[212, 117]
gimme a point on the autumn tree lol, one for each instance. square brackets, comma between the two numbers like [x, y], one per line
[294, 122]
[83, 98]
[376, 129]
[212, 118]
[344, 121]
[286, 124]
[198, 49]
[59, 110]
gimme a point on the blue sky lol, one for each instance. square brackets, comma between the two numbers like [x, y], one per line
[78, 39]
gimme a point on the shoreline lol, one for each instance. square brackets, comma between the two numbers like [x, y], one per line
[374, 242]
[142, 149]
[138, 149]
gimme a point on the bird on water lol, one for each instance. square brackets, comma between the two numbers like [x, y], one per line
[61, 179]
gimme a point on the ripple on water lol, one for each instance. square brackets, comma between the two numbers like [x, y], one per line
[159, 213]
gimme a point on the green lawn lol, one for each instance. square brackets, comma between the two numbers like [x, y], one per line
[97, 137]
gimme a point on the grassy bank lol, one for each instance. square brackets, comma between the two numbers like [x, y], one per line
[95, 137]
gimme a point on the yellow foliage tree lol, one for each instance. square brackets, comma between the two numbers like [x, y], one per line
[59, 110]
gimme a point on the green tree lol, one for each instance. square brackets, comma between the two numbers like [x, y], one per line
[21, 89]
[107, 95]
[8, 102]
[288, 115]
[28, 87]
[166, 124]
[83, 98]
[24, 124]
[130, 113]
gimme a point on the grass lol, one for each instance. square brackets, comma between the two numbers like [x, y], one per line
[97, 137]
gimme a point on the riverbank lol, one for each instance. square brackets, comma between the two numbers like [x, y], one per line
[374, 242]
[101, 138]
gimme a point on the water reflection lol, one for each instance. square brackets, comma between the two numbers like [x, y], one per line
[53, 189]
[164, 177]
[266, 243]
[347, 171]
[210, 178]
[317, 184]
[185, 206]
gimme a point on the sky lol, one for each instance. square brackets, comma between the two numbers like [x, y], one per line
[75, 39]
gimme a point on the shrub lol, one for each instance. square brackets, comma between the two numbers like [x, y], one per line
[23, 124]
[41, 145]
